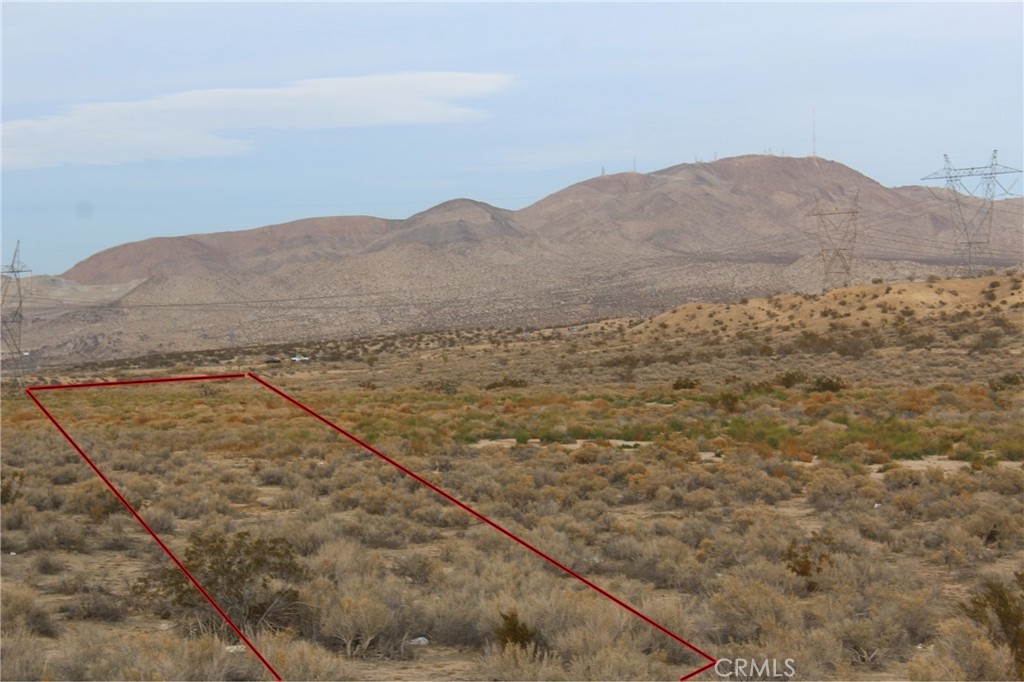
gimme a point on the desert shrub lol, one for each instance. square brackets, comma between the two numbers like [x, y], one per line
[19, 655]
[11, 485]
[809, 557]
[240, 493]
[198, 504]
[962, 651]
[855, 344]
[96, 604]
[21, 610]
[19, 515]
[45, 497]
[823, 384]
[506, 382]
[442, 386]
[900, 479]
[46, 564]
[872, 525]
[1003, 480]
[790, 378]
[276, 475]
[516, 663]
[514, 631]
[725, 400]
[63, 533]
[758, 486]
[361, 617]
[869, 641]
[858, 452]
[988, 341]
[613, 664]
[997, 527]
[812, 342]
[1012, 450]
[745, 610]
[999, 609]
[389, 531]
[149, 656]
[296, 659]
[93, 498]
[419, 569]
[250, 578]
[684, 383]
[831, 489]
[160, 519]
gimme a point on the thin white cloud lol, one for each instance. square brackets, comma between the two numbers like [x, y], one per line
[214, 122]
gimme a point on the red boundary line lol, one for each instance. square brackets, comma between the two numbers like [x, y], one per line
[369, 448]
[447, 496]
[128, 506]
[128, 382]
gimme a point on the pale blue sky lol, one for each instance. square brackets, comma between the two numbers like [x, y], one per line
[127, 121]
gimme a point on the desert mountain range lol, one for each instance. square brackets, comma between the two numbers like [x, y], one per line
[630, 244]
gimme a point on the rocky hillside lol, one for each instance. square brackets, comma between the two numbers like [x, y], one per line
[618, 245]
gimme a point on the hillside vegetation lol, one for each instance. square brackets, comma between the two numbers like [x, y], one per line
[630, 244]
[834, 479]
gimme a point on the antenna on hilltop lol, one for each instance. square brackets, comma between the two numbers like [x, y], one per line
[837, 231]
[11, 317]
[973, 225]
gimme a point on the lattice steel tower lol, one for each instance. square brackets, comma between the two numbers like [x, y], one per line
[837, 232]
[972, 220]
[11, 317]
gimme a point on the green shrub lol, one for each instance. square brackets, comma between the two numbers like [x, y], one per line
[826, 384]
[10, 486]
[790, 378]
[514, 631]
[443, 386]
[809, 558]
[250, 578]
[506, 382]
[1007, 381]
[726, 400]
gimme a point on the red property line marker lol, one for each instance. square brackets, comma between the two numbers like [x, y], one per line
[128, 506]
[369, 448]
[447, 496]
[128, 382]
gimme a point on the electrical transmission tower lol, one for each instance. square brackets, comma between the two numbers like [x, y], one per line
[837, 232]
[11, 317]
[971, 220]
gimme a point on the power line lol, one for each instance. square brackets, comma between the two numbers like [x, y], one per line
[11, 317]
[837, 232]
[973, 225]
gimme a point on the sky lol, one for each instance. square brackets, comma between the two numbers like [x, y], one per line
[124, 121]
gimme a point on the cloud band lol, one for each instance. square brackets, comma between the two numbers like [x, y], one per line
[213, 122]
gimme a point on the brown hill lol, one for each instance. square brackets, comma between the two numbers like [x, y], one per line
[755, 207]
[453, 222]
[612, 246]
[260, 249]
[742, 208]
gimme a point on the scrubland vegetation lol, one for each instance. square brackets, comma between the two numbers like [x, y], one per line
[848, 496]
